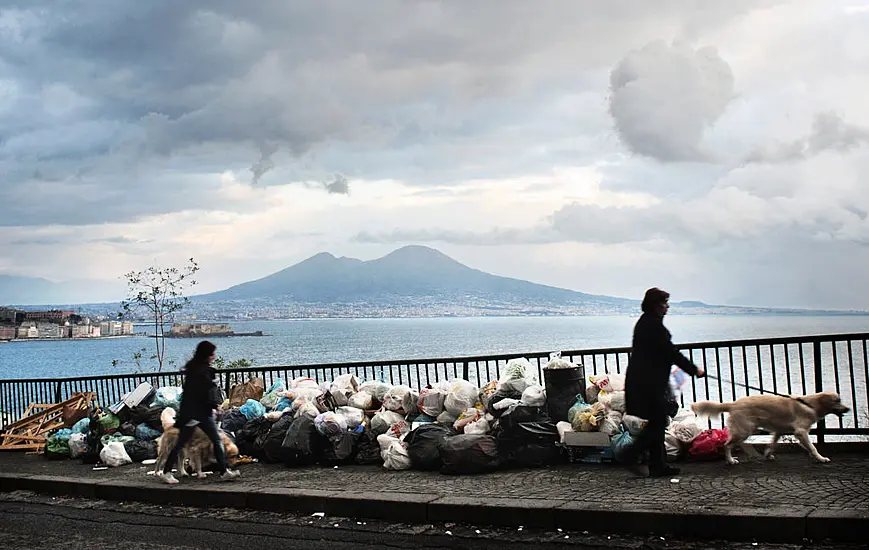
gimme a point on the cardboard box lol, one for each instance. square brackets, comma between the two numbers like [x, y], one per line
[586, 439]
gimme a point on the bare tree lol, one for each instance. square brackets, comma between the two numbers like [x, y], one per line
[159, 293]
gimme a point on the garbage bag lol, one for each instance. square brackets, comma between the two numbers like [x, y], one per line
[252, 389]
[252, 409]
[347, 384]
[396, 457]
[609, 383]
[708, 445]
[146, 433]
[77, 445]
[591, 393]
[367, 449]
[233, 420]
[284, 403]
[614, 401]
[139, 449]
[305, 382]
[376, 389]
[498, 397]
[400, 399]
[468, 454]
[422, 446]
[115, 455]
[672, 446]
[477, 427]
[580, 405]
[275, 439]
[115, 438]
[447, 417]
[302, 445]
[382, 421]
[528, 444]
[517, 375]
[109, 423]
[82, 426]
[57, 444]
[518, 414]
[250, 437]
[685, 431]
[352, 416]
[462, 395]
[622, 444]
[634, 424]
[486, 393]
[147, 415]
[557, 362]
[330, 423]
[612, 423]
[128, 428]
[340, 448]
[361, 400]
[168, 396]
[534, 396]
[468, 416]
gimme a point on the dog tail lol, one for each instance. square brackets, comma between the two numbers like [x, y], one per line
[710, 408]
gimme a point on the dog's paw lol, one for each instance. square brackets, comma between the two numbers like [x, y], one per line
[822, 459]
[732, 461]
[769, 456]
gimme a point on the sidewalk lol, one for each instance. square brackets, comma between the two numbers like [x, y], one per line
[787, 500]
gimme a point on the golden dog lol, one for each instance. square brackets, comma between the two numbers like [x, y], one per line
[776, 414]
[198, 451]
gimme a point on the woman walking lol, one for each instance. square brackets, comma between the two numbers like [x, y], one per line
[647, 389]
[197, 409]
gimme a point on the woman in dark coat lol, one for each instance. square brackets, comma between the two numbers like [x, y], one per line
[197, 408]
[647, 388]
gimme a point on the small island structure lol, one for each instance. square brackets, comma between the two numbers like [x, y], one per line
[206, 330]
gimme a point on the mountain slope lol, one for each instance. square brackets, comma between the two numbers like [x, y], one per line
[412, 271]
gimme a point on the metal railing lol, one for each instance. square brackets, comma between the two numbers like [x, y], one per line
[790, 365]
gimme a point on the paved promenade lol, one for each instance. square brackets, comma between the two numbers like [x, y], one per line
[787, 500]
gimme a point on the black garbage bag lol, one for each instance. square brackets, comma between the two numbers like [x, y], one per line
[251, 437]
[94, 436]
[468, 454]
[521, 414]
[149, 416]
[368, 450]
[141, 449]
[528, 444]
[303, 444]
[127, 428]
[233, 420]
[498, 396]
[422, 446]
[275, 438]
[340, 448]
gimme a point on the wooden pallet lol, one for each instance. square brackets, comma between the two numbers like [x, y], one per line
[30, 432]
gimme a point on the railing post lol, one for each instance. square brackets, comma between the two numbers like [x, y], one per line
[58, 393]
[465, 370]
[819, 385]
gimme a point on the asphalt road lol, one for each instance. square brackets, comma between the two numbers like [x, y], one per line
[35, 521]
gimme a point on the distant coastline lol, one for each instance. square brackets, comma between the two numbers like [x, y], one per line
[85, 339]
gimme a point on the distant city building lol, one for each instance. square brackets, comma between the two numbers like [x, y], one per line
[51, 316]
[9, 315]
[8, 332]
[28, 329]
[116, 328]
[49, 330]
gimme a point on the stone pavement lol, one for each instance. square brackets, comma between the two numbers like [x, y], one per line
[786, 500]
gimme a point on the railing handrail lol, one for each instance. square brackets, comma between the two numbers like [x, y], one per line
[470, 358]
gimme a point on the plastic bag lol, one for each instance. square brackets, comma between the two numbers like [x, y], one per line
[462, 395]
[304, 382]
[399, 429]
[78, 445]
[140, 449]
[367, 450]
[709, 445]
[57, 445]
[589, 419]
[353, 417]
[241, 393]
[376, 389]
[382, 421]
[634, 424]
[431, 401]
[115, 455]
[252, 409]
[340, 448]
[517, 375]
[609, 382]
[308, 409]
[145, 433]
[82, 426]
[422, 446]
[580, 405]
[396, 457]
[302, 445]
[612, 423]
[622, 445]
[672, 446]
[168, 396]
[468, 416]
[330, 423]
[109, 423]
[447, 418]
[617, 401]
[534, 396]
[272, 444]
[556, 362]
[591, 394]
[685, 431]
[487, 392]
[347, 384]
[468, 454]
[361, 400]
[400, 399]
[477, 427]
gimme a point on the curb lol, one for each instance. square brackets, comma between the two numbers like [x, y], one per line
[779, 524]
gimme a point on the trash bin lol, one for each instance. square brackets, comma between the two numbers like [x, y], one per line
[562, 387]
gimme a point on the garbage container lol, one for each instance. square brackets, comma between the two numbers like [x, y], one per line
[562, 387]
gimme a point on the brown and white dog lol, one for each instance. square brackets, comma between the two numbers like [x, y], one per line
[198, 451]
[776, 414]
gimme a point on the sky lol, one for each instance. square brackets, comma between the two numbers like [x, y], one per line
[718, 150]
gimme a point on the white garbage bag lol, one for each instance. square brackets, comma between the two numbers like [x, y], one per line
[78, 445]
[352, 416]
[115, 455]
[375, 389]
[347, 384]
[477, 427]
[534, 396]
[400, 399]
[330, 423]
[517, 375]
[612, 423]
[462, 396]
[634, 424]
[396, 457]
[609, 382]
[361, 400]
[382, 421]
[431, 401]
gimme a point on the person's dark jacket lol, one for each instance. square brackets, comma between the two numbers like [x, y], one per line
[197, 397]
[647, 382]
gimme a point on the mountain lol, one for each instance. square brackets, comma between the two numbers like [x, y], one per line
[409, 272]
[16, 290]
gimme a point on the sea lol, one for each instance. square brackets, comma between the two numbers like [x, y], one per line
[295, 342]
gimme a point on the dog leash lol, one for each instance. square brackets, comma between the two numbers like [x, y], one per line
[761, 390]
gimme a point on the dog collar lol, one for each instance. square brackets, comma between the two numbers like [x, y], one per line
[801, 400]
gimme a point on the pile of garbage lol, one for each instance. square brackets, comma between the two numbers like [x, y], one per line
[451, 426]
[602, 409]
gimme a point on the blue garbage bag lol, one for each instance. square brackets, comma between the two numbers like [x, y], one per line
[252, 409]
[146, 433]
[622, 444]
[83, 426]
[283, 403]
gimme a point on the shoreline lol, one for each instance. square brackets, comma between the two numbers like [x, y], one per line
[85, 339]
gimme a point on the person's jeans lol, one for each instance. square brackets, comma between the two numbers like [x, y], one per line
[186, 432]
